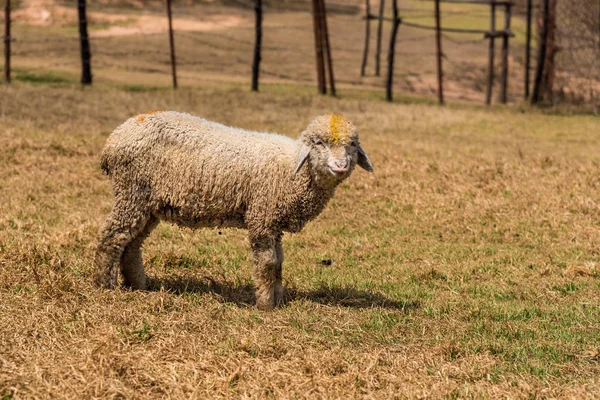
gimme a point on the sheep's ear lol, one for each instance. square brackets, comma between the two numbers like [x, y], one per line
[363, 160]
[302, 156]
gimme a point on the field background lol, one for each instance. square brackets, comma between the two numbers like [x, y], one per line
[214, 43]
[466, 266]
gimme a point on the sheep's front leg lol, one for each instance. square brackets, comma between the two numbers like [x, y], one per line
[267, 255]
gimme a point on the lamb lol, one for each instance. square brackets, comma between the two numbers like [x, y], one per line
[175, 167]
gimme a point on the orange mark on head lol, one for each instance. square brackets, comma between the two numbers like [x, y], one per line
[142, 117]
[338, 129]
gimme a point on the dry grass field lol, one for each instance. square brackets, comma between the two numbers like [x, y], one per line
[466, 266]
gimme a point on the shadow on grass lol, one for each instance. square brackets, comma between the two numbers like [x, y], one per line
[345, 296]
[242, 294]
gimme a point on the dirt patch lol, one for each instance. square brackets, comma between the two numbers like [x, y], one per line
[35, 12]
[148, 24]
[46, 13]
[427, 85]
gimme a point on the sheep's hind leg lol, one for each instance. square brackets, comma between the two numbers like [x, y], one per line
[132, 267]
[269, 291]
[278, 289]
[120, 227]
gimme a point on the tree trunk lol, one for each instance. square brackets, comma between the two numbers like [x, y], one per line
[367, 38]
[172, 45]
[320, 60]
[505, 37]
[257, 46]
[438, 45]
[379, 31]
[392, 53]
[327, 47]
[491, 54]
[86, 66]
[7, 40]
[528, 49]
[551, 50]
[544, 77]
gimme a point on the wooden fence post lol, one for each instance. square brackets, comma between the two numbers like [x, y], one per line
[537, 84]
[86, 67]
[438, 43]
[367, 37]
[319, 47]
[505, 36]
[528, 49]
[379, 31]
[490, 80]
[392, 51]
[172, 44]
[327, 47]
[7, 40]
[551, 49]
[257, 45]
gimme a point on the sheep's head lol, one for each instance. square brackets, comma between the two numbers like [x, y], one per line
[330, 146]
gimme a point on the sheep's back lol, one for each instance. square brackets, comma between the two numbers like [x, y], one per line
[197, 167]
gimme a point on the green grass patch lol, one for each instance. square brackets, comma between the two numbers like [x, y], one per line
[134, 88]
[51, 78]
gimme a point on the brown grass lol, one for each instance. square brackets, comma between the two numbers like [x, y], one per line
[466, 266]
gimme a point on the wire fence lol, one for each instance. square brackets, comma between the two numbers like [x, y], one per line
[220, 47]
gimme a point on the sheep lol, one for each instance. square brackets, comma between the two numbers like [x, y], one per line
[183, 169]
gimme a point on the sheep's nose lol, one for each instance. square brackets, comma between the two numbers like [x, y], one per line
[339, 165]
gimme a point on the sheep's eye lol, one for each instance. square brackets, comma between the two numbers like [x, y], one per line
[319, 142]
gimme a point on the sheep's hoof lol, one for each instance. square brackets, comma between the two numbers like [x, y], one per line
[105, 281]
[265, 305]
[265, 301]
[278, 293]
[138, 283]
[136, 286]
